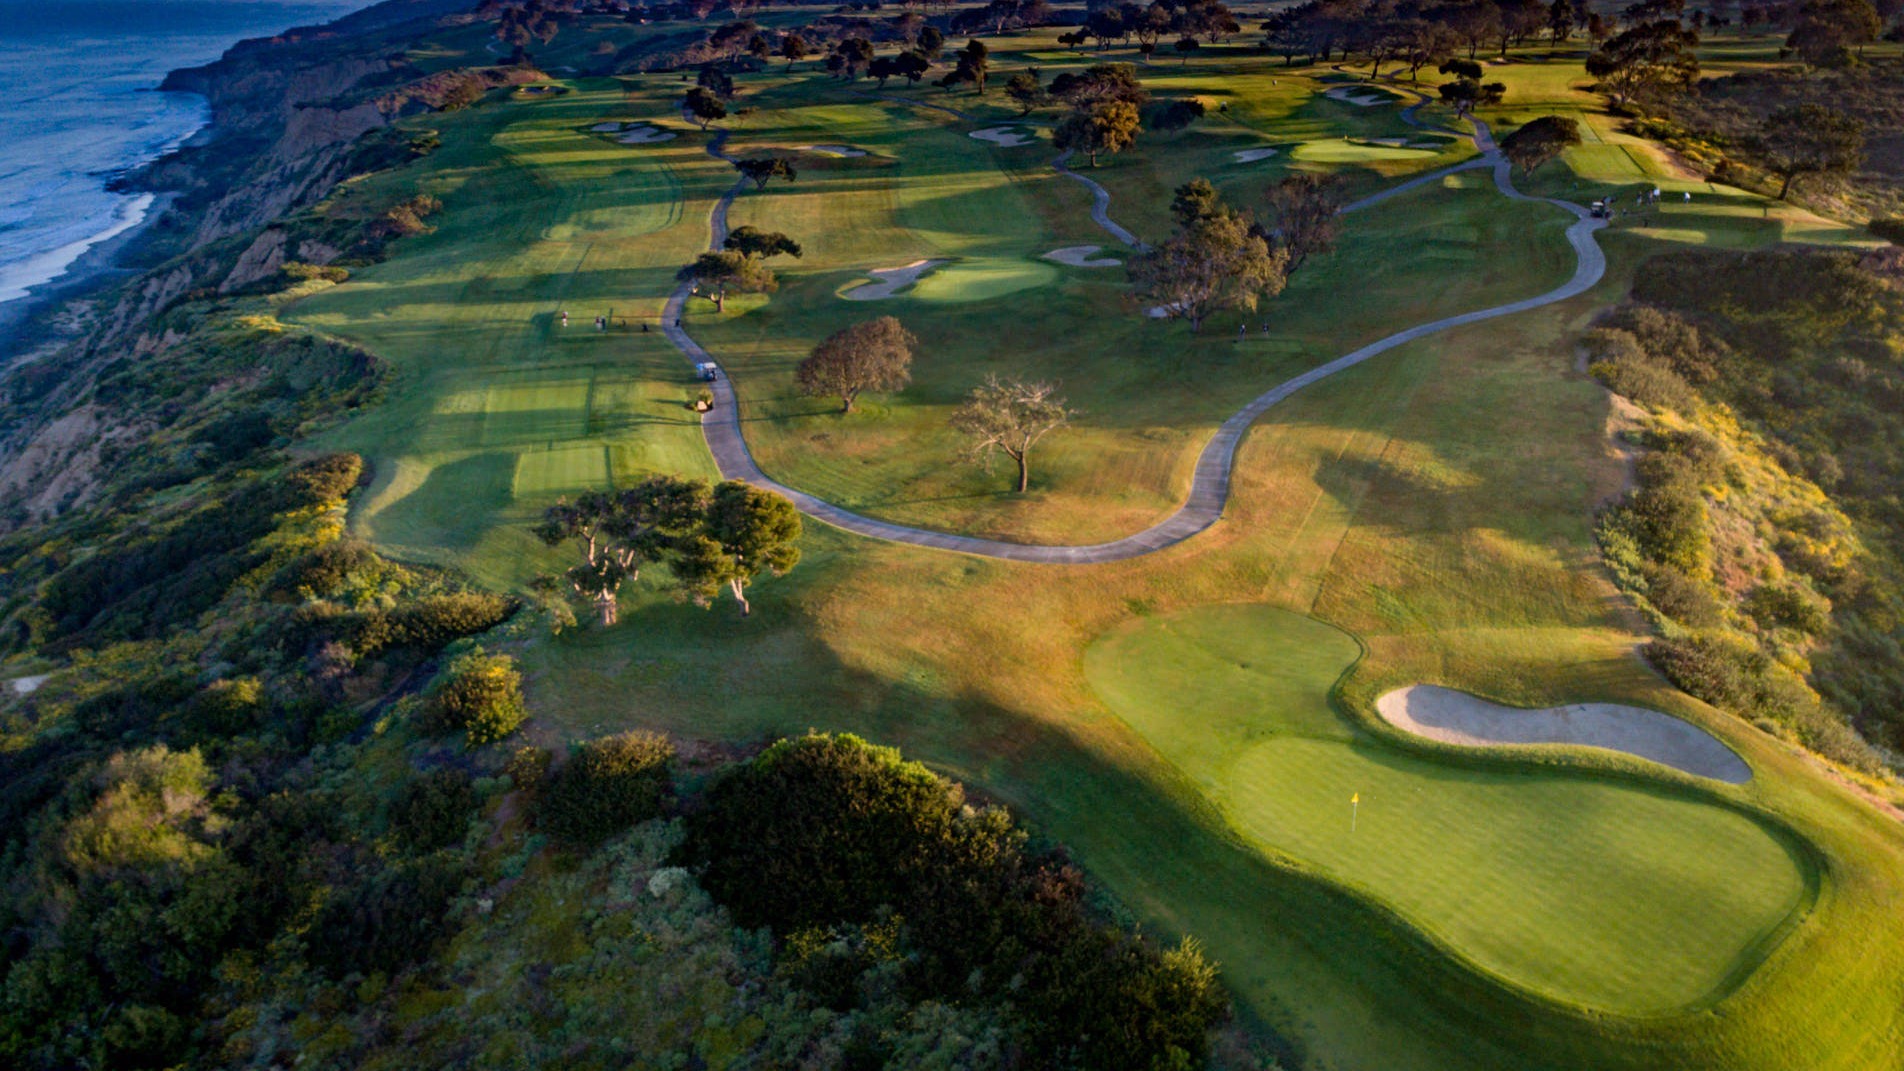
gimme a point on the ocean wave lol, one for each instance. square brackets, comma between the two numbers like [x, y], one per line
[19, 277]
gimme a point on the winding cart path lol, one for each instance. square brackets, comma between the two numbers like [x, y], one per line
[1210, 484]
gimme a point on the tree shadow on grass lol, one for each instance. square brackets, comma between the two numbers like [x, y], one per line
[1304, 958]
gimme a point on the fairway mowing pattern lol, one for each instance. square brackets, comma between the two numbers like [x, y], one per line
[1606, 892]
[561, 470]
[1210, 481]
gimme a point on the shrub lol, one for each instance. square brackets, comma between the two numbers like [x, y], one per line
[298, 271]
[236, 436]
[322, 480]
[823, 830]
[1671, 339]
[426, 624]
[1686, 600]
[326, 571]
[478, 695]
[864, 862]
[1651, 385]
[607, 786]
[1788, 605]
[226, 708]
[1889, 228]
[433, 811]
[1669, 515]
[388, 919]
[1711, 667]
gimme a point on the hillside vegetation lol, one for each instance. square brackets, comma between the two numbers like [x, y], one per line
[1765, 527]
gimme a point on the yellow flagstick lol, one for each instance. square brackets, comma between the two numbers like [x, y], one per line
[1355, 805]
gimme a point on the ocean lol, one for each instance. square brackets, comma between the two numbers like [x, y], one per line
[77, 79]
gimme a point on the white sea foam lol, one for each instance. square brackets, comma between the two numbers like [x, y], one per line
[78, 80]
[20, 275]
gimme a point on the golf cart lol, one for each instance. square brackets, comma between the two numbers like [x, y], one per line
[1599, 210]
[707, 371]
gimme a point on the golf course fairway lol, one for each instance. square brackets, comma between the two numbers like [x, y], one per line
[1588, 889]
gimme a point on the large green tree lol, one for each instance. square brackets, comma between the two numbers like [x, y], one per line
[764, 169]
[1213, 263]
[1105, 127]
[1828, 31]
[712, 275]
[703, 106]
[1808, 139]
[744, 532]
[755, 242]
[1024, 90]
[795, 48]
[872, 356]
[1303, 212]
[1650, 57]
[1540, 140]
[618, 532]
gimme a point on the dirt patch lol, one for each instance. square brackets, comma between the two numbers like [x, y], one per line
[889, 281]
[1008, 137]
[1080, 256]
[1459, 718]
[1250, 156]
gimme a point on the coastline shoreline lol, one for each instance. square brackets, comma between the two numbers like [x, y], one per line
[27, 326]
[92, 273]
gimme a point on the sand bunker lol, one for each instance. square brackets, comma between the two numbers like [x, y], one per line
[1079, 256]
[27, 685]
[889, 281]
[834, 150]
[606, 128]
[642, 135]
[1358, 96]
[1250, 156]
[1459, 718]
[1393, 143]
[1005, 136]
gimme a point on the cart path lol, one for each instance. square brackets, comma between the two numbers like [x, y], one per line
[1100, 205]
[1210, 483]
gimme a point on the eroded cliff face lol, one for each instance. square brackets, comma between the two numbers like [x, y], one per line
[286, 113]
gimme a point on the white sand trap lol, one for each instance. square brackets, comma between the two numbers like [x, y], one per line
[606, 128]
[27, 685]
[834, 150]
[1393, 143]
[1357, 96]
[1459, 718]
[1250, 156]
[1008, 137]
[1079, 256]
[889, 281]
[643, 135]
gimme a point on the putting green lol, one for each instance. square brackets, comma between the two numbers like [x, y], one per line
[1592, 890]
[982, 280]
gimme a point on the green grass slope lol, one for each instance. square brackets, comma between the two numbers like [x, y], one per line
[1614, 894]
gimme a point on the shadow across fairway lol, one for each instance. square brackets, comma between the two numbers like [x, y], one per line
[1593, 878]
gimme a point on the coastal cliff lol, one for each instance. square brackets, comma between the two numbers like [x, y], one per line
[291, 117]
